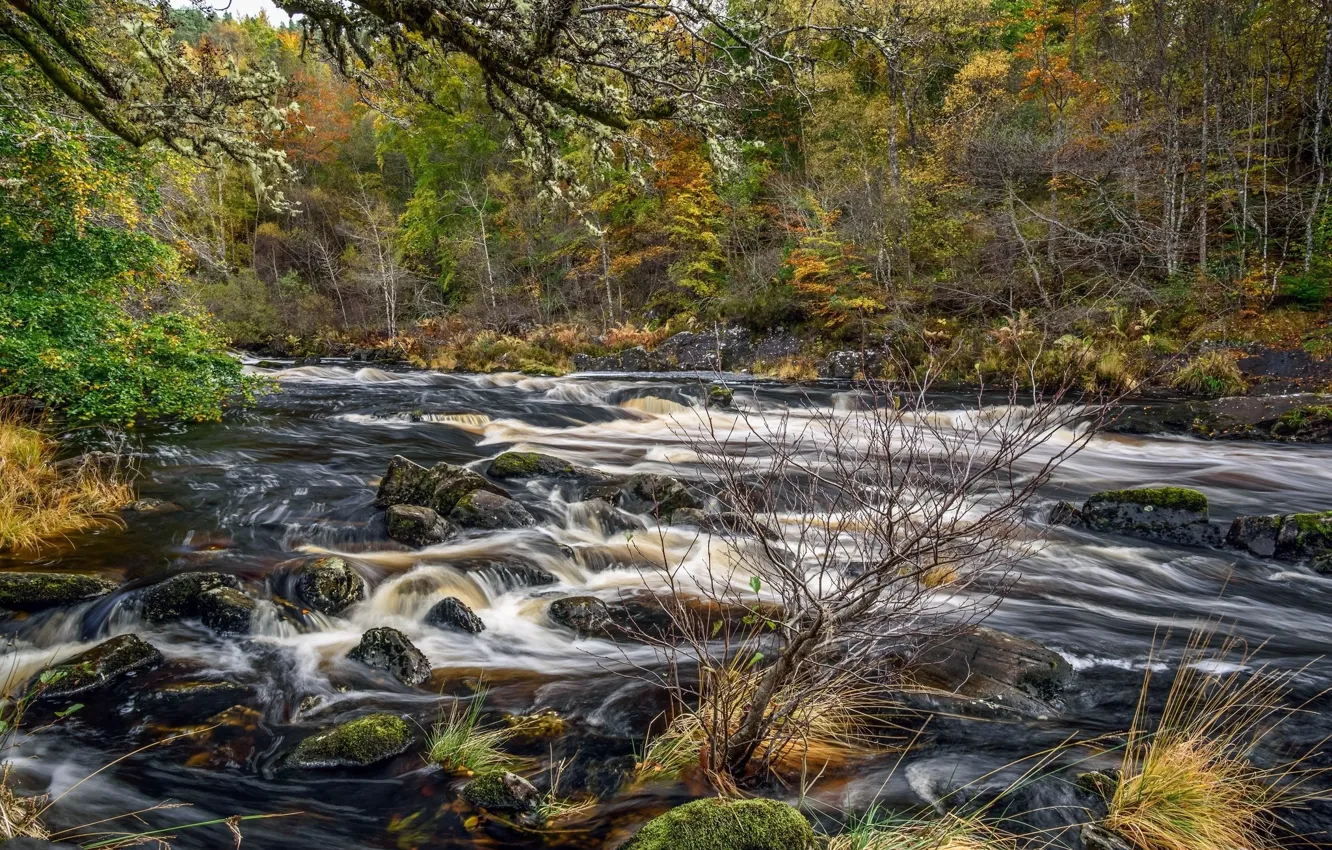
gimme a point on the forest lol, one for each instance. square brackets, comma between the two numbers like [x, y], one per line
[1126, 182]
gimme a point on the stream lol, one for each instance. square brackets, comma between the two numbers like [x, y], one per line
[298, 474]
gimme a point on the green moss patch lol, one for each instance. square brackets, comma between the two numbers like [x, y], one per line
[1162, 498]
[726, 825]
[527, 465]
[356, 743]
[35, 591]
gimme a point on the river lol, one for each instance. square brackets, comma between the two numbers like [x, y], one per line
[298, 473]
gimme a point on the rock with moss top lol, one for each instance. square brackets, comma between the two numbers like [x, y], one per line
[356, 743]
[96, 668]
[326, 584]
[648, 493]
[386, 648]
[586, 615]
[716, 824]
[481, 509]
[38, 591]
[226, 610]
[1294, 537]
[418, 526]
[454, 615]
[440, 487]
[530, 465]
[182, 596]
[721, 396]
[503, 793]
[1173, 514]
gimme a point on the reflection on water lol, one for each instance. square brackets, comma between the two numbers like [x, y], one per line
[298, 474]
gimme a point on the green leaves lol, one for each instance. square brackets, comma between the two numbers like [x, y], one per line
[755, 583]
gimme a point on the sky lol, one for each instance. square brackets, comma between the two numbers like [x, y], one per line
[246, 8]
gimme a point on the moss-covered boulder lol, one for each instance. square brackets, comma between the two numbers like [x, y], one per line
[226, 610]
[481, 509]
[1293, 537]
[417, 526]
[586, 615]
[504, 793]
[440, 487]
[530, 465]
[104, 664]
[1174, 514]
[326, 584]
[356, 743]
[648, 493]
[726, 825]
[1309, 424]
[38, 591]
[720, 396]
[454, 615]
[388, 649]
[179, 597]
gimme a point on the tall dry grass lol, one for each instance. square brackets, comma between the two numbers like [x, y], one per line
[39, 501]
[1192, 782]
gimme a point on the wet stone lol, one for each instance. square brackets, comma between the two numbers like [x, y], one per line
[453, 614]
[514, 574]
[1065, 514]
[440, 487]
[504, 793]
[386, 648]
[1173, 514]
[1294, 537]
[328, 584]
[996, 667]
[356, 743]
[226, 610]
[37, 591]
[483, 510]
[179, 596]
[414, 525]
[194, 698]
[152, 506]
[648, 493]
[586, 615]
[98, 667]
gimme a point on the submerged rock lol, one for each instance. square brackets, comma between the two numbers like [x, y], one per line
[586, 615]
[194, 698]
[36, 591]
[388, 649]
[452, 613]
[418, 526]
[356, 743]
[227, 610]
[152, 506]
[440, 487]
[326, 584]
[1174, 514]
[648, 493]
[995, 667]
[726, 522]
[505, 793]
[718, 824]
[603, 516]
[515, 574]
[1293, 537]
[102, 665]
[181, 596]
[481, 509]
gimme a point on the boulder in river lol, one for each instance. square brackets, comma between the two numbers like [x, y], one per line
[415, 525]
[1065, 513]
[720, 396]
[511, 465]
[388, 649]
[586, 615]
[226, 610]
[452, 613]
[995, 667]
[180, 596]
[439, 487]
[193, 698]
[1293, 537]
[105, 663]
[37, 591]
[482, 509]
[511, 575]
[503, 793]
[648, 493]
[356, 743]
[720, 824]
[1173, 514]
[326, 584]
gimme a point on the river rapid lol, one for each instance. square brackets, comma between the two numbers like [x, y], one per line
[298, 474]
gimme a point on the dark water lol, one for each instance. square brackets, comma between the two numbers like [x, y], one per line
[298, 474]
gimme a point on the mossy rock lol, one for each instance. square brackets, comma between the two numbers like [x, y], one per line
[417, 526]
[528, 465]
[440, 487]
[37, 591]
[1305, 536]
[98, 667]
[180, 596]
[327, 584]
[726, 825]
[226, 610]
[1175, 514]
[721, 397]
[482, 509]
[356, 743]
[586, 615]
[1311, 424]
[386, 648]
[505, 793]
[648, 493]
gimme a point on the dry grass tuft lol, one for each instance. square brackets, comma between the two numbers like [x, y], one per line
[39, 501]
[1191, 783]
[788, 369]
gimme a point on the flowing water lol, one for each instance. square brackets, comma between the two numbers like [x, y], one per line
[298, 474]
